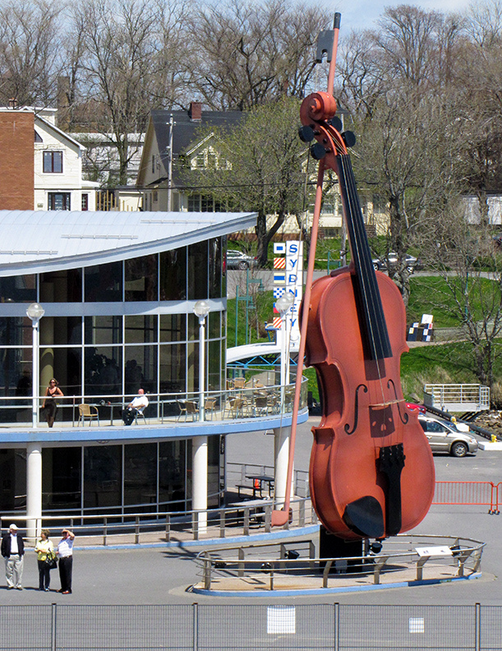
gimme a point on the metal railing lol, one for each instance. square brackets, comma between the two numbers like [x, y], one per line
[245, 518]
[235, 402]
[238, 473]
[263, 626]
[457, 397]
[274, 567]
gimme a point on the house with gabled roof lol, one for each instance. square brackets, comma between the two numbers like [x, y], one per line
[171, 135]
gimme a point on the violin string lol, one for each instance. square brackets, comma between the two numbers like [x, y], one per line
[364, 273]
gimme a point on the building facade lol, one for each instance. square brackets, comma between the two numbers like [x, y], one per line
[118, 300]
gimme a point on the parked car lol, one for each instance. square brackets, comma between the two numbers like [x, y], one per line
[380, 264]
[240, 260]
[414, 407]
[443, 436]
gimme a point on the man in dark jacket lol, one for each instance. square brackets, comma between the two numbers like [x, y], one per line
[13, 552]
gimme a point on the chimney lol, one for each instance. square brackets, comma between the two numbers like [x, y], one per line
[195, 111]
[13, 103]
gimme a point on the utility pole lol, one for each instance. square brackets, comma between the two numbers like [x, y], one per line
[170, 165]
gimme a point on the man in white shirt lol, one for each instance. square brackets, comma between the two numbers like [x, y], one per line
[138, 404]
[65, 556]
[13, 553]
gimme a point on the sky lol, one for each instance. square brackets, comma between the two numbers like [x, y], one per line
[361, 14]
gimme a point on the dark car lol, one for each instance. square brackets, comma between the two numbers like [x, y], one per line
[380, 264]
[239, 260]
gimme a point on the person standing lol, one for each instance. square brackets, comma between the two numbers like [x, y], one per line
[50, 404]
[44, 547]
[13, 552]
[65, 556]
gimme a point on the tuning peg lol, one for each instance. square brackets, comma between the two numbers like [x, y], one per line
[349, 138]
[306, 133]
[336, 122]
[318, 151]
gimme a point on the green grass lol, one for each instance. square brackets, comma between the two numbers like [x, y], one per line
[447, 363]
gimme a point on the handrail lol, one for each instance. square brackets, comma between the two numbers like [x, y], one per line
[243, 518]
[462, 554]
[225, 404]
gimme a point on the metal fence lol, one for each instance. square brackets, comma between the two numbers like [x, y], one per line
[198, 627]
[239, 400]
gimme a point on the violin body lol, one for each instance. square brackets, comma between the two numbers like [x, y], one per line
[355, 492]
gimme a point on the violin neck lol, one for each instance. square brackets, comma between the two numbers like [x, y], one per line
[374, 331]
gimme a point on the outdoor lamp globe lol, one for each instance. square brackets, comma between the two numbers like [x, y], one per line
[35, 311]
[284, 303]
[201, 309]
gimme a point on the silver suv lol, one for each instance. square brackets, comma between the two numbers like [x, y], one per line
[443, 436]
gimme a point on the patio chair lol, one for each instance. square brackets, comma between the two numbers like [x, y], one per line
[88, 412]
[191, 409]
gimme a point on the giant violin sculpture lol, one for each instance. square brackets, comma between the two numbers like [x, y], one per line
[371, 468]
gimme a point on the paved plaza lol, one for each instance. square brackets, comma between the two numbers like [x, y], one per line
[160, 575]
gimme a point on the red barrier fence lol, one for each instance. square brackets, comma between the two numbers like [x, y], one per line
[477, 493]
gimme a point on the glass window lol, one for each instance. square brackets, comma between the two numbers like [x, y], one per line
[103, 283]
[213, 325]
[140, 329]
[61, 468]
[197, 271]
[103, 371]
[101, 330]
[215, 261]
[16, 331]
[59, 201]
[65, 364]
[213, 365]
[102, 476]
[172, 368]
[64, 286]
[141, 279]
[173, 275]
[53, 162]
[213, 471]
[18, 289]
[15, 379]
[140, 369]
[61, 330]
[85, 202]
[172, 455]
[140, 474]
[13, 474]
[173, 327]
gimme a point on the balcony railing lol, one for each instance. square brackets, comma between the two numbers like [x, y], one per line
[237, 401]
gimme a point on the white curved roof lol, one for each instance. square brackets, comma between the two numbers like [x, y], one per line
[39, 241]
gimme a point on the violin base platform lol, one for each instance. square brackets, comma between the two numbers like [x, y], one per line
[404, 561]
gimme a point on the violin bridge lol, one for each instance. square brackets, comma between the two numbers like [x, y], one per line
[383, 405]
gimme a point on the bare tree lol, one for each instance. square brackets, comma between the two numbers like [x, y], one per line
[405, 141]
[459, 252]
[29, 47]
[250, 54]
[125, 67]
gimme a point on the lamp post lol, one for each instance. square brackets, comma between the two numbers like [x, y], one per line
[201, 310]
[35, 312]
[34, 450]
[199, 443]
